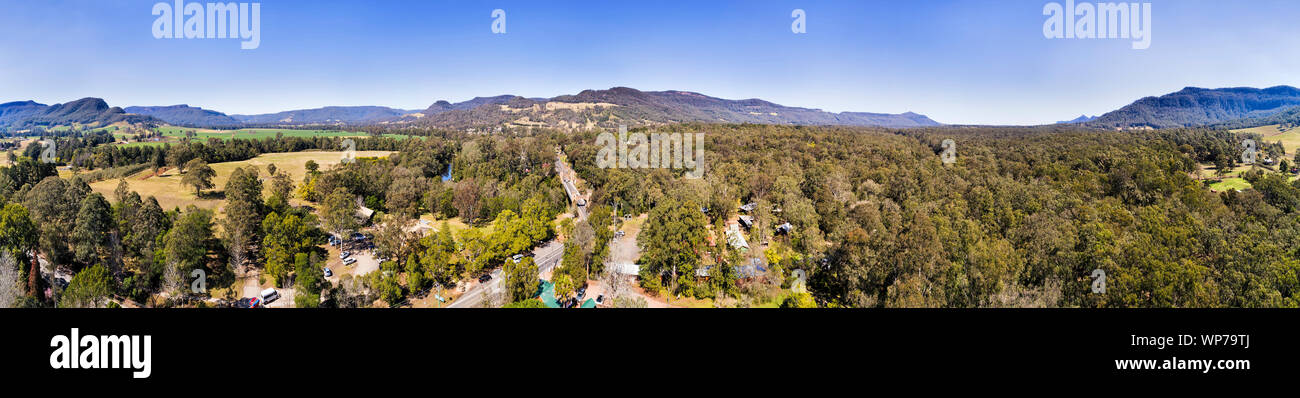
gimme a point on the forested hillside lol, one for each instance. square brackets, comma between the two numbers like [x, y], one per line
[1194, 106]
[1021, 219]
[27, 114]
[185, 115]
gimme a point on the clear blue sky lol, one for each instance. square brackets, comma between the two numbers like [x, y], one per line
[982, 61]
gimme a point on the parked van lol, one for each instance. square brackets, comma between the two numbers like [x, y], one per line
[269, 295]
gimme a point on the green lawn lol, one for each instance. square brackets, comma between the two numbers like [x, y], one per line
[1230, 183]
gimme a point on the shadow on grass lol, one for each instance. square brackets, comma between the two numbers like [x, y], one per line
[214, 195]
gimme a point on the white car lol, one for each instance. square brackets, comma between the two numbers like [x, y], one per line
[328, 272]
[269, 295]
[344, 255]
[349, 261]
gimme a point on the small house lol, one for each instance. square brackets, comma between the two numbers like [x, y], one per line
[746, 221]
[363, 213]
[736, 239]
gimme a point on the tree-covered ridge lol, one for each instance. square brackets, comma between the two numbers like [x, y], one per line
[185, 115]
[1194, 106]
[27, 114]
[623, 105]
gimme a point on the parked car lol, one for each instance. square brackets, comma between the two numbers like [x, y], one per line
[344, 255]
[350, 261]
[254, 302]
[619, 234]
[517, 258]
[484, 278]
[269, 295]
[581, 292]
[600, 299]
[328, 272]
[582, 202]
[244, 303]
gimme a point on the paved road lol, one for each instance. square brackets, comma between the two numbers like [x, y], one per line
[546, 257]
[567, 177]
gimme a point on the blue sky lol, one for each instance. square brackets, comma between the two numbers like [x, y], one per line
[979, 62]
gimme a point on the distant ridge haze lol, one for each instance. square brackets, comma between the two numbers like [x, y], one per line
[589, 108]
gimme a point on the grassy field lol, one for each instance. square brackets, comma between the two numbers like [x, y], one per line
[1273, 133]
[455, 224]
[1230, 183]
[23, 142]
[171, 193]
[1290, 139]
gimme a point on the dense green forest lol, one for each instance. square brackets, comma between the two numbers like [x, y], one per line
[1022, 218]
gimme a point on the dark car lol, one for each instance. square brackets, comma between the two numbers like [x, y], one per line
[484, 278]
[244, 302]
[581, 291]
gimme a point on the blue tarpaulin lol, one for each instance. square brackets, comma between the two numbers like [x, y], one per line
[548, 295]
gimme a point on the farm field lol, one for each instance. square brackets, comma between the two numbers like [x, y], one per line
[22, 142]
[1231, 180]
[172, 194]
[1290, 138]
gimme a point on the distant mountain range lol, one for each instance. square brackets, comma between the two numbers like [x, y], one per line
[632, 107]
[1237, 107]
[25, 114]
[1194, 106]
[1080, 119]
[587, 109]
[326, 115]
[185, 115]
